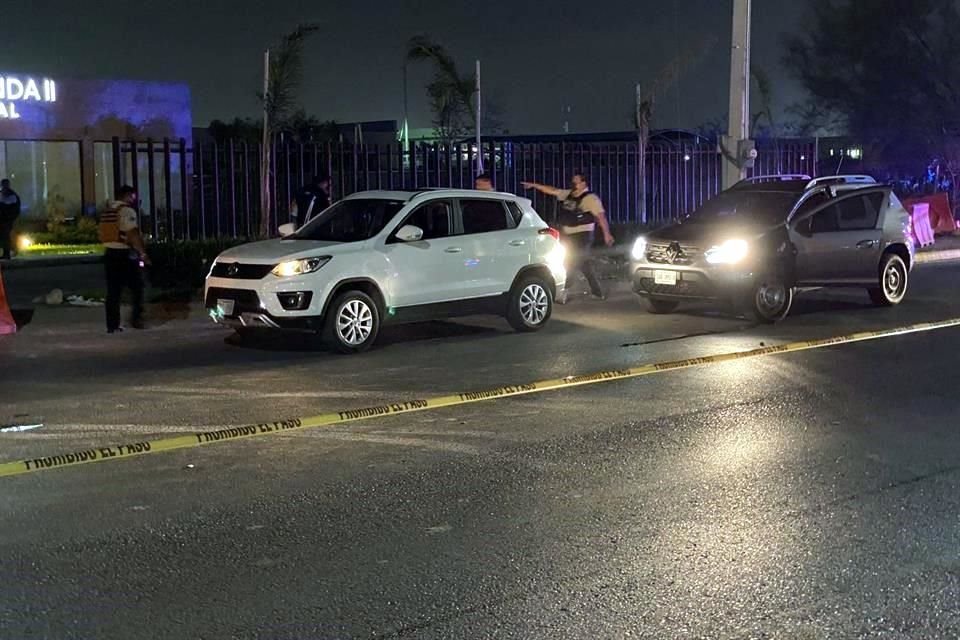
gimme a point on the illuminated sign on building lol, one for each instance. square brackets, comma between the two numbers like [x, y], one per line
[16, 90]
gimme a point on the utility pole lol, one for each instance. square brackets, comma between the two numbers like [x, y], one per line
[265, 199]
[479, 146]
[405, 134]
[737, 141]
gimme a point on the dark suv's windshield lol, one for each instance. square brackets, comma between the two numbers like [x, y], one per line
[762, 207]
[351, 220]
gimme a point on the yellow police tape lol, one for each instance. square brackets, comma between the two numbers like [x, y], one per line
[123, 451]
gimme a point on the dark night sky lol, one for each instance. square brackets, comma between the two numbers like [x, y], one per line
[536, 55]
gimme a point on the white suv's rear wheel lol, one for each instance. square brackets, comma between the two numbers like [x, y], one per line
[530, 305]
[352, 322]
[894, 277]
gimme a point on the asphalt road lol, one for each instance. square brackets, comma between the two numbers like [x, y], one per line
[809, 495]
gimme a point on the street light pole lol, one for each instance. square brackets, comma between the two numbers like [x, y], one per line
[405, 134]
[265, 195]
[738, 126]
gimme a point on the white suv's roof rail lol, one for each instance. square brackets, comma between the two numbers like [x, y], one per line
[842, 179]
[777, 177]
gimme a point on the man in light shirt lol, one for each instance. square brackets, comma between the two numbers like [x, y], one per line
[581, 212]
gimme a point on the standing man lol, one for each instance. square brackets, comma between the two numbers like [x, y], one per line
[483, 182]
[581, 211]
[310, 200]
[124, 257]
[9, 212]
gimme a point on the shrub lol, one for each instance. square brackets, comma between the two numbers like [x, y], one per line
[184, 264]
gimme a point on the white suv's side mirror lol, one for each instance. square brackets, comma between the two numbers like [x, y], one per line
[287, 229]
[409, 233]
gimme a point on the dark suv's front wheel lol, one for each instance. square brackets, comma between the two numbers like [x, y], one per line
[770, 298]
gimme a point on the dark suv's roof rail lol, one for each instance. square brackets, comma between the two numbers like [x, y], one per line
[842, 179]
[779, 177]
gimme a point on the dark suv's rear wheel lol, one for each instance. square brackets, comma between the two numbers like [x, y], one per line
[530, 305]
[770, 298]
[894, 277]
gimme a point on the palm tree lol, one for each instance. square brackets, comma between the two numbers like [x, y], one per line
[451, 94]
[279, 103]
[645, 106]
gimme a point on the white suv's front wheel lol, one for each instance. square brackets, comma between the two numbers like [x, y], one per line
[352, 323]
[530, 305]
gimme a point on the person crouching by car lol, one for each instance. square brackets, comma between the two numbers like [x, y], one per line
[124, 257]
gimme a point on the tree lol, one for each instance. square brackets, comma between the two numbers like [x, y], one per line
[245, 129]
[450, 93]
[279, 102]
[645, 107]
[302, 128]
[885, 73]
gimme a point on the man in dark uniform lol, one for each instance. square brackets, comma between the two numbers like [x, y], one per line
[310, 200]
[581, 212]
[9, 212]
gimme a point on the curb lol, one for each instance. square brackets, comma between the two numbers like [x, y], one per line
[944, 255]
[42, 263]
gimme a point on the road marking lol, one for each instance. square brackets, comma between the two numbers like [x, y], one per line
[946, 255]
[196, 439]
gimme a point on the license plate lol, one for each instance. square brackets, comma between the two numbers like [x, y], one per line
[225, 307]
[665, 277]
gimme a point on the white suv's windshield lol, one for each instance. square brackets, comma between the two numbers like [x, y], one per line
[763, 207]
[352, 220]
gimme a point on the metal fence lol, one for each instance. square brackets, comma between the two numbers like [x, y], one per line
[213, 190]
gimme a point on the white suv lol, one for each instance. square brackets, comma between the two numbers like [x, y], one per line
[393, 256]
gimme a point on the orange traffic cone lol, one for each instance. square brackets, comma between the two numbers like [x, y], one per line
[7, 324]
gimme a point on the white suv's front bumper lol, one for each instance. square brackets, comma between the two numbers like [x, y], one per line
[256, 303]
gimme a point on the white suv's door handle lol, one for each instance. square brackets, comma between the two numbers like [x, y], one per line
[453, 250]
[867, 244]
[518, 243]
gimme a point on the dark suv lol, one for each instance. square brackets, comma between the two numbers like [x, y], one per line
[760, 241]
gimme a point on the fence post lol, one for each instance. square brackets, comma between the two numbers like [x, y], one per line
[168, 188]
[248, 214]
[231, 149]
[117, 167]
[185, 195]
[198, 161]
[151, 186]
[216, 186]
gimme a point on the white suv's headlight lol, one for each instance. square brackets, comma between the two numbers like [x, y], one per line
[639, 248]
[730, 252]
[299, 267]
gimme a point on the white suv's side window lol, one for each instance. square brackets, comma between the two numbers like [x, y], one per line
[433, 218]
[485, 215]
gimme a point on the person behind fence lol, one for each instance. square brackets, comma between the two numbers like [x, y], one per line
[310, 200]
[483, 182]
[581, 211]
[124, 257]
[9, 212]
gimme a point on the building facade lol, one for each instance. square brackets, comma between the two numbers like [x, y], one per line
[56, 137]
